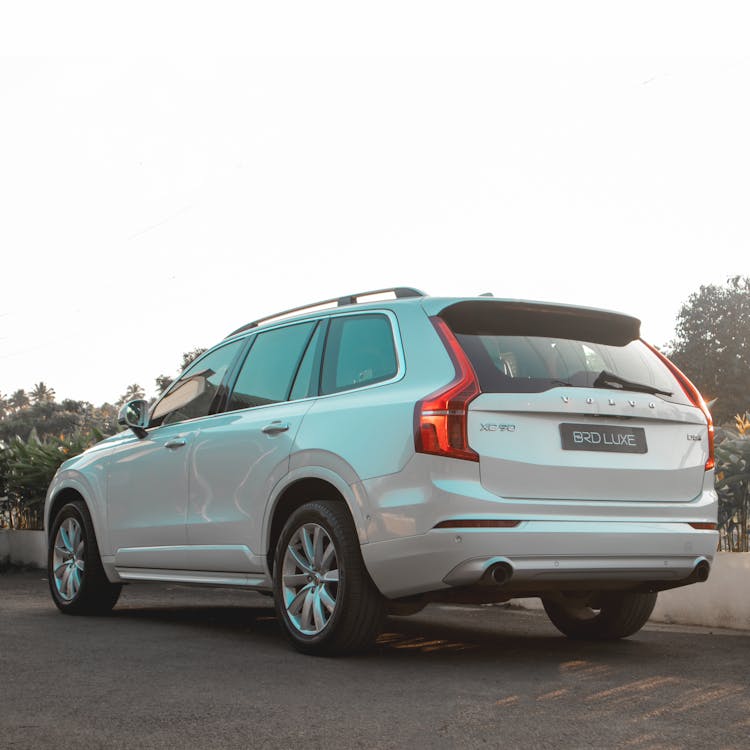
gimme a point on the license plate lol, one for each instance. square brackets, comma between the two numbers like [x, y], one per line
[592, 437]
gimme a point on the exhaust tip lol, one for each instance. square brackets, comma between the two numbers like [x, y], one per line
[500, 573]
[702, 569]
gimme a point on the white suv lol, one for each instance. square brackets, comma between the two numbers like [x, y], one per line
[366, 455]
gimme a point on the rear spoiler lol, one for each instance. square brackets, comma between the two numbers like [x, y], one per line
[497, 317]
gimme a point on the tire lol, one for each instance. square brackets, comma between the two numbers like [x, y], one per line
[325, 600]
[610, 615]
[75, 574]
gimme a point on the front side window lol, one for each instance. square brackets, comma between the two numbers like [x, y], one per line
[194, 393]
[359, 351]
[269, 369]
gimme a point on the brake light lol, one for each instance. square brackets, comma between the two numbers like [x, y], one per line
[440, 418]
[704, 526]
[695, 397]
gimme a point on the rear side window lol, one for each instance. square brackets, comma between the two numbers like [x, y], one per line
[359, 351]
[530, 364]
[269, 369]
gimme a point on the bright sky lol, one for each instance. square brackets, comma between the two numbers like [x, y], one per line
[148, 206]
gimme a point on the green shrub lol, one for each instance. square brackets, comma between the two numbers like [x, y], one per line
[26, 470]
[732, 486]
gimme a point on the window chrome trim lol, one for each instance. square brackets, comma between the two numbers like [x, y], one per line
[397, 348]
[397, 345]
[234, 376]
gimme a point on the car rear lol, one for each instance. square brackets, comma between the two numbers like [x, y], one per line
[564, 454]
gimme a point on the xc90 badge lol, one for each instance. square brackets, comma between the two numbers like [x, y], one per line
[492, 427]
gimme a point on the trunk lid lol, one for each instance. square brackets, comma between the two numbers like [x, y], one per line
[574, 406]
[523, 454]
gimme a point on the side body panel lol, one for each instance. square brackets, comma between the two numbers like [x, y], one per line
[87, 475]
[147, 497]
[369, 432]
[234, 467]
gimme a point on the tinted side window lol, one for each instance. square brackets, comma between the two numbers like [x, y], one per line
[308, 375]
[194, 393]
[359, 351]
[267, 373]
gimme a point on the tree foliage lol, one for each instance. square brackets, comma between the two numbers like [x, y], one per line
[26, 470]
[49, 418]
[42, 393]
[190, 356]
[37, 410]
[712, 345]
[162, 383]
[733, 484]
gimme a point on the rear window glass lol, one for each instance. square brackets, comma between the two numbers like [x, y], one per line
[530, 364]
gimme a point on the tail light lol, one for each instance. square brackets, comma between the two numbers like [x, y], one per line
[694, 395]
[440, 418]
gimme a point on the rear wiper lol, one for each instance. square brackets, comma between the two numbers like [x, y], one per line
[606, 379]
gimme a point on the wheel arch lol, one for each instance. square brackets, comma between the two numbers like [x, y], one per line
[62, 497]
[319, 484]
[68, 489]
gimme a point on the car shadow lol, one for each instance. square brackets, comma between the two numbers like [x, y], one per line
[485, 634]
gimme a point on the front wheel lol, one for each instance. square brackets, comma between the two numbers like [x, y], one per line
[604, 616]
[77, 580]
[324, 597]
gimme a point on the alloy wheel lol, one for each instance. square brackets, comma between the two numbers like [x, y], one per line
[310, 579]
[68, 559]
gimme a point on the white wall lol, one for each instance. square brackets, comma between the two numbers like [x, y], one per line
[24, 548]
[723, 601]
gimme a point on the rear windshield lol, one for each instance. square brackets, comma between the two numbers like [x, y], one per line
[530, 364]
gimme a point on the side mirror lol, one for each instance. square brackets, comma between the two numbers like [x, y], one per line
[134, 414]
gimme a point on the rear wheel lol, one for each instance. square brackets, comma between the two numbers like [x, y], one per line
[74, 569]
[604, 616]
[325, 600]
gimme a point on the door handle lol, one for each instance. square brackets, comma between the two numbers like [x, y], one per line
[175, 443]
[275, 427]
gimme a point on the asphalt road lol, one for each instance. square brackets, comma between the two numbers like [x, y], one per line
[175, 667]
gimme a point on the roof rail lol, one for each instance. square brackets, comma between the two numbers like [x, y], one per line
[400, 292]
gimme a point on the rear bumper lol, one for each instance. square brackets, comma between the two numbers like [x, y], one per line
[541, 555]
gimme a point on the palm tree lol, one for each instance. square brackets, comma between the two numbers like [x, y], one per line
[41, 394]
[132, 392]
[19, 399]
